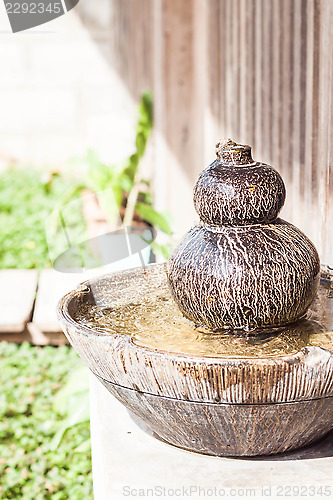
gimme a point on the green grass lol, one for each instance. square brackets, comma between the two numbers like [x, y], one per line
[30, 378]
[27, 198]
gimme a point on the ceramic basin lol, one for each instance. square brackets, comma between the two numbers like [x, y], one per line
[214, 393]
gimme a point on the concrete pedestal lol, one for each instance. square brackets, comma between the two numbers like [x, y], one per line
[128, 462]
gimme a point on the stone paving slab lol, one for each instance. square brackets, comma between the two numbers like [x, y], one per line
[51, 288]
[34, 336]
[129, 462]
[17, 294]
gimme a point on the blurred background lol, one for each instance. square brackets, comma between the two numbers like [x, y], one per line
[258, 72]
[107, 115]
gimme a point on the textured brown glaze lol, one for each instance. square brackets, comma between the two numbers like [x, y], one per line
[221, 406]
[242, 267]
[230, 430]
[234, 190]
[244, 276]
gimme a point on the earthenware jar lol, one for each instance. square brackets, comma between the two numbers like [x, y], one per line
[242, 267]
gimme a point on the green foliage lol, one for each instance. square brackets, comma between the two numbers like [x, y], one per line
[120, 178]
[102, 177]
[164, 250]
[159, 220]
[143, 131]
[73, 401]
[26, 200]
[30, 380]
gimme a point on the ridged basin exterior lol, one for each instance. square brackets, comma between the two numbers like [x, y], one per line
[230, 430]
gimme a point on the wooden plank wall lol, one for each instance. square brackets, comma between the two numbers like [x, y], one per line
[131, 36]
[276, 84]
[258, 71]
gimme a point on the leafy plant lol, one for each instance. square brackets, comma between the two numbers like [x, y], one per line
[132, 192]
[30, 379]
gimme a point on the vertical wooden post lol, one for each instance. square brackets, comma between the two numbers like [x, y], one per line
[325, 130]
[179, 89]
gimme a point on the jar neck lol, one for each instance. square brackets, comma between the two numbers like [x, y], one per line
[229, 153]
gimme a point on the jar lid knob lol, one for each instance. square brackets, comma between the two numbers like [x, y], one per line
[229, 152]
